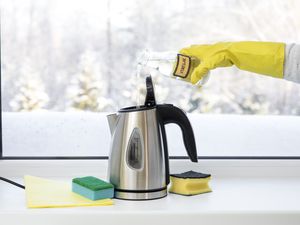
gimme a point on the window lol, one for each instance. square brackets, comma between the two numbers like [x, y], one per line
[70, 56]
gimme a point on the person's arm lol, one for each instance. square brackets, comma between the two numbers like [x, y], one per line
[268, 58]
[292, 63]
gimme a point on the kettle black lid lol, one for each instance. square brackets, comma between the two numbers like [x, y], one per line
[150, 96]
[150, 102]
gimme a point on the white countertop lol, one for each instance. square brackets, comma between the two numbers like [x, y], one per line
[257, 192]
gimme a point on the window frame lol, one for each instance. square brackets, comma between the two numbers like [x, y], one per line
[106, 157]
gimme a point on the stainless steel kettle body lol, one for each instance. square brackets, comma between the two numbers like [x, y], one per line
[138, 162]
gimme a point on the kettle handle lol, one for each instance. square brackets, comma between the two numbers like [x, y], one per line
[168, 113]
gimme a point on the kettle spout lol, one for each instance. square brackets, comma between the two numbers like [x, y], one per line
[112, 120]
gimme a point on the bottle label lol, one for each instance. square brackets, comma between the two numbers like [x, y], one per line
[183, 66]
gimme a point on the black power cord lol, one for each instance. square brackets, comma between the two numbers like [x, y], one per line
[12, 182]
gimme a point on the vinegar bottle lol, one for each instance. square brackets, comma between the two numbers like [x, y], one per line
[171, 64]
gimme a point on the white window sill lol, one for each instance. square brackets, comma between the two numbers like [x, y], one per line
[244, 192]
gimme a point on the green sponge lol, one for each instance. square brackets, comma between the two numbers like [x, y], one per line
[92, 188]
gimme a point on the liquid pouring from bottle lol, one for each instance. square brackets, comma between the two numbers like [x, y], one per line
[138, 89]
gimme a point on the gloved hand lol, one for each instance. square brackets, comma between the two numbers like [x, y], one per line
[260, 57]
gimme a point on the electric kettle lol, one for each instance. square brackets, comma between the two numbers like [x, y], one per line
[138, 165]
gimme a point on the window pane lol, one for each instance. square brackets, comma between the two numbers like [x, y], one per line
[60, 55]
[80, 55]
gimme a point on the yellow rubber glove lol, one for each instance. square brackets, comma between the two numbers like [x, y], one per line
[265, 58]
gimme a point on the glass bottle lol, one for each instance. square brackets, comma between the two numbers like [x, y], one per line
[170, 64]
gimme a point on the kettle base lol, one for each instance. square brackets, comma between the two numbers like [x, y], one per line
[140, 195]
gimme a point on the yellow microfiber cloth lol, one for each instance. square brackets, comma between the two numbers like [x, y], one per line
[190, 183]
[45, 193]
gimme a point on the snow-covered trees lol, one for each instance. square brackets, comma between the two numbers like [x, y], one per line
[30, 93]
[87, 89]
[83, 53]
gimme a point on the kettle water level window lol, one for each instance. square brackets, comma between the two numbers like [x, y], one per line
[65, 65]
[134, 152]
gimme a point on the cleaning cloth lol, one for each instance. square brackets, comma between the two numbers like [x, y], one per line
[190, 183]
[44, 193]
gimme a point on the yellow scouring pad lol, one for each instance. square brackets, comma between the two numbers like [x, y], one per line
[190, 183]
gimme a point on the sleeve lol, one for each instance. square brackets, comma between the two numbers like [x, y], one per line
[292, 63]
